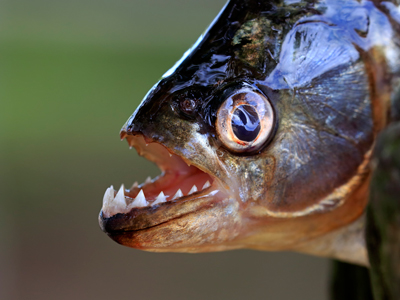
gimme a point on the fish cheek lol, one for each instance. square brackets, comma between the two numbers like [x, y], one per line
[324, 135]
[249, 175]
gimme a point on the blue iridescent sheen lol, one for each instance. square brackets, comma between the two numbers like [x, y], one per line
[245, 123]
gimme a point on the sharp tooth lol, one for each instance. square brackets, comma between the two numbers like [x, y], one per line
[178, 194]
[206, 185]
[111, 205]
[119, 200]
[160, 199]
[193, 190]
[148, 180]
[108, 196]
[140, 200]
[214, 192]
[134, 185]
[130, 147]
[170, 155]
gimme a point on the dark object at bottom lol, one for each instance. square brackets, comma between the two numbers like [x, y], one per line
[382, 231]
[383, 217]
[350, 282]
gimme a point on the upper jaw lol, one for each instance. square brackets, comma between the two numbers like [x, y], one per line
[127, 210]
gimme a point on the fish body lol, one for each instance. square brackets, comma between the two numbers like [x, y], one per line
[264, 132]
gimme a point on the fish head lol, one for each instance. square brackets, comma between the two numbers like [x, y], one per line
[262, 132]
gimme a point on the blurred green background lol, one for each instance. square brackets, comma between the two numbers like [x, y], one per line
[71, 74]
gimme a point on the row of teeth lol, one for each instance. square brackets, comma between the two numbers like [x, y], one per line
[113, 205]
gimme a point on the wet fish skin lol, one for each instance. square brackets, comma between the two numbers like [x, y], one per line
[329, 71]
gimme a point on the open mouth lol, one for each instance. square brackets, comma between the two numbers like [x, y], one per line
[178, 182]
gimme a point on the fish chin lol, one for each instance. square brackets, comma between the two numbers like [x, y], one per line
[183, 200]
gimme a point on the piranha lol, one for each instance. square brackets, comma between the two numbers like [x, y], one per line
[264, 132]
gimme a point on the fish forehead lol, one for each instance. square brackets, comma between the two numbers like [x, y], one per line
[273, 45]
[260, 46]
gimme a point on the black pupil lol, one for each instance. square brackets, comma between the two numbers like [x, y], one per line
[245, 123]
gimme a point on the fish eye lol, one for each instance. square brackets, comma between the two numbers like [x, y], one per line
[245, 121]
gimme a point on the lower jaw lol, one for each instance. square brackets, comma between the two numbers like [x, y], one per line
[144, 240]
[197, 225]
[148, 217]
[172, 238]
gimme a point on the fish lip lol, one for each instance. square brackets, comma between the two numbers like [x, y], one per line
[142, 218]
